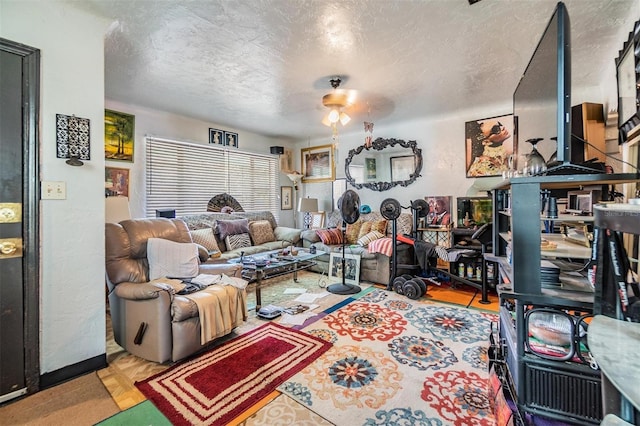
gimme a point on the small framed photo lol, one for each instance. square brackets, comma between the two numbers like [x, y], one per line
[351, 267]
[116, 181]
[231, 139]
[439, 215]
[286, 197]
[317, 164]
[216, 136]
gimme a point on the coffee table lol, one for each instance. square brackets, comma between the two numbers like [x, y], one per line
[263, 266]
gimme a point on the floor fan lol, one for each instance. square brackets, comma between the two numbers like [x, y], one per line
[349, 206]
[390, 209]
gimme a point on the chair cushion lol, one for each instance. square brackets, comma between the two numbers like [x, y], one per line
[237, 241]
[170, 259]
[330, 236]
[232, 227]
[261, 232]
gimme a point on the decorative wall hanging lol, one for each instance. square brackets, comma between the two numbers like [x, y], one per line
[286, 161]
[116, 181]
[368, 130]
[231, 139]
[286, 197]
[72, 138]
[489, 144]
[216, 136]
[119, 131]
[317, 164]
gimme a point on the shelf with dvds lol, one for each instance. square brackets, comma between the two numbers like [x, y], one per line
[543, 281]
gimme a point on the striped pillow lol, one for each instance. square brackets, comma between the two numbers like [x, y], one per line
[237, 241]
[330, 236]
[367, 238]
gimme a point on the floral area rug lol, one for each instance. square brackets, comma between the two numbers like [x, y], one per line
[397, 361]
[215, 387]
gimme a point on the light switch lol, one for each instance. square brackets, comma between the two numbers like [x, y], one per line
[54, 190]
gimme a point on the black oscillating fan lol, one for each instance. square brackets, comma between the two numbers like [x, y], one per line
[349, 206]
[390, 209]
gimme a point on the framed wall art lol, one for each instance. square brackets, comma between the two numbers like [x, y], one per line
[216, 136]
[351, 268]
[370, 167]
[402, 167]
[119, 131]
[231, 139]
[489, 146]
[286, 197]
[317, 164]
[439, 211]
[116, 181]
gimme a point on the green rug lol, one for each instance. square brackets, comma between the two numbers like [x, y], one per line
[144, 413]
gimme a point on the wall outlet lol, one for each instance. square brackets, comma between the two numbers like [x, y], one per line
[54, 190]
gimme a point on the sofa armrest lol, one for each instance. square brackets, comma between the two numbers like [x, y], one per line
[230, 269]
[284, 233]
[140, 291]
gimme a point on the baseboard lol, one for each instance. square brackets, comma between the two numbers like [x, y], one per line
[72, 371]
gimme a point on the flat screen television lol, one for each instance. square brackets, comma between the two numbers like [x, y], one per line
[542, 99]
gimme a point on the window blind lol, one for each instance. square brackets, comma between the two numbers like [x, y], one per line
[185, 176]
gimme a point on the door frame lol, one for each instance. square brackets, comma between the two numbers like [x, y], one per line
[30, 208]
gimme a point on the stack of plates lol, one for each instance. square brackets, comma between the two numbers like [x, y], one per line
[549, 274]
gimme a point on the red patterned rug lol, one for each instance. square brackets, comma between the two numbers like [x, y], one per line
[219, 385]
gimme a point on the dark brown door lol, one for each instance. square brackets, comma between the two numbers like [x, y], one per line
[19, 347]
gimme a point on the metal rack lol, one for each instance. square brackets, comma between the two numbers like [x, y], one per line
[539, 385]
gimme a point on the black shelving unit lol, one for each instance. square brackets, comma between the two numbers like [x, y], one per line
[541, 386]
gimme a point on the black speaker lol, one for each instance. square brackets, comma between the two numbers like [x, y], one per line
[168, 213]
[279, 150]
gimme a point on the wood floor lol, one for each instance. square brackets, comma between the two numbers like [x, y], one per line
[125, 369]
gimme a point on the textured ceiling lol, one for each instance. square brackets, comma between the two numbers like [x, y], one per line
[264, 65]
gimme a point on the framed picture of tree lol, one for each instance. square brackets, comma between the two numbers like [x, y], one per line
[119, 131]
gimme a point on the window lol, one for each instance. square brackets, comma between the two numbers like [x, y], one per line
[184, 176]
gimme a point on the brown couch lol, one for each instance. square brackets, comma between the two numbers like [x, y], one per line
[172, 321]
[374, 267]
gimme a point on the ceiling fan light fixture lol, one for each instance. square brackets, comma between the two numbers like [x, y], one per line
[334, 115]
[344, 118]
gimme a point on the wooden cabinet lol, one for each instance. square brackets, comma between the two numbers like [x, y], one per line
[588, 123]
[541, 386]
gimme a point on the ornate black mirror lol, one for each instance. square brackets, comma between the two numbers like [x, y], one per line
[387, 163]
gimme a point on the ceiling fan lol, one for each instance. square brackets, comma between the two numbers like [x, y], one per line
[337, 101]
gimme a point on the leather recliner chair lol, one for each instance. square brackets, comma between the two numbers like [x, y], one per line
[172, 321]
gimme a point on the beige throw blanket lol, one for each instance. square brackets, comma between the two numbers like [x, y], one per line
[220, 308]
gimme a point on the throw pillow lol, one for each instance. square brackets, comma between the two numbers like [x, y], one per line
[330, 236]
[237, 241]
[232, 227]
[373, 225]
[170, 259]
[261, 232]
[367, 238]
[205, 238]
[352, 231]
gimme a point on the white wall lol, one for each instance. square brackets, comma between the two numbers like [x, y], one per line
[442, 141]
[149, 122]
[72, 289]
